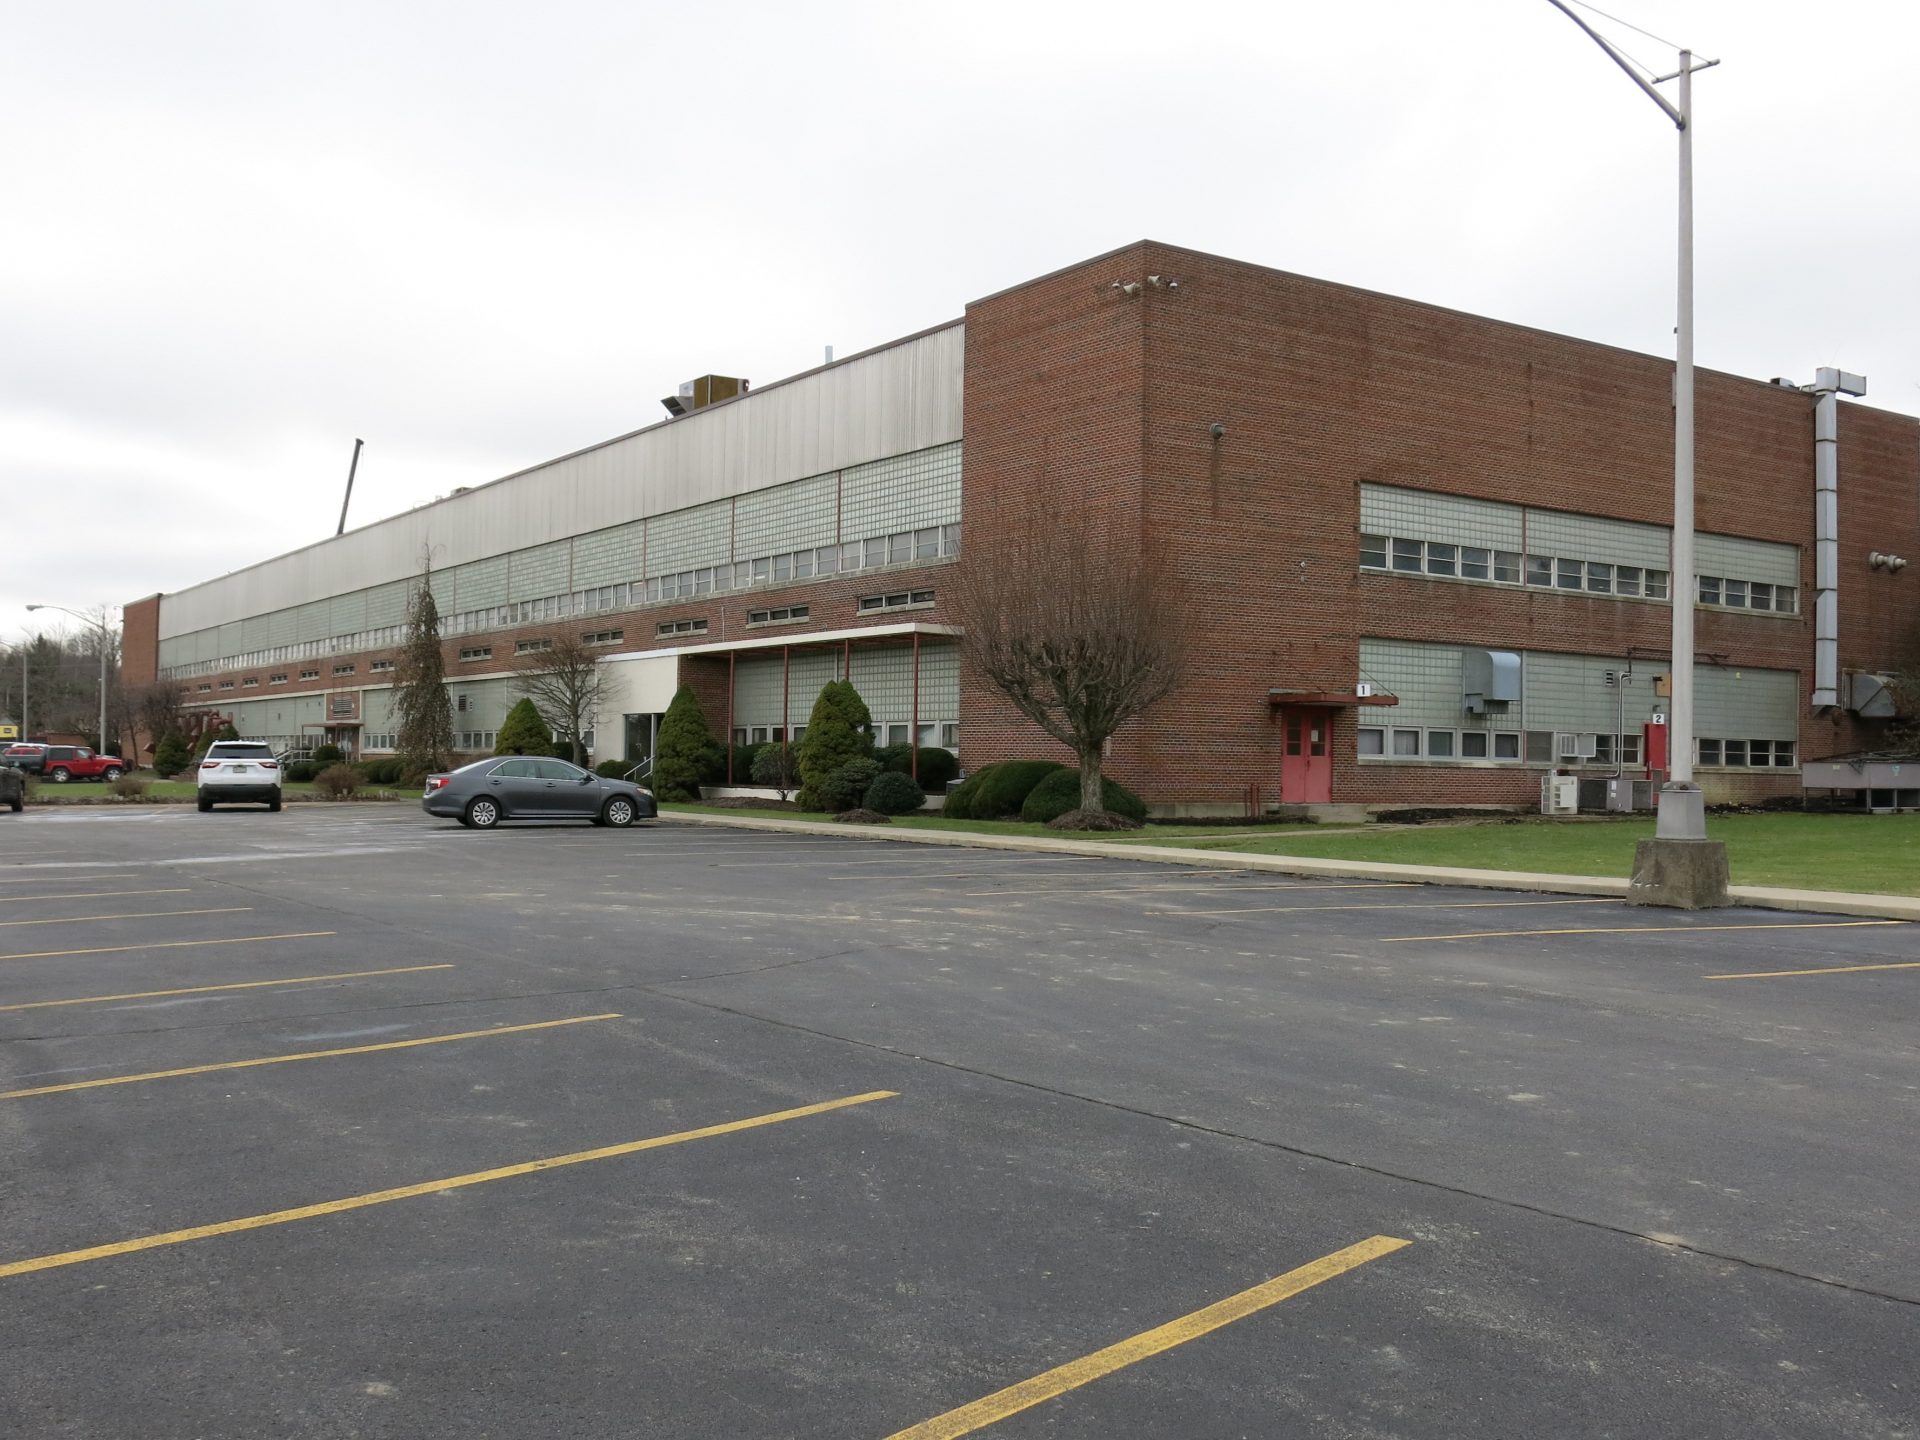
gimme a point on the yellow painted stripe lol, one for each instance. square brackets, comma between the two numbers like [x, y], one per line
[1396, 905]
[133, 915]
[1650, 929]
[304, 1055]
[208, 989]
[91, 894]
[429, 1187]
[168, 945]
[1071, 1376]
[1822, 970]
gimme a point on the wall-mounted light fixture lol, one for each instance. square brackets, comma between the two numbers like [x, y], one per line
[1890, 563]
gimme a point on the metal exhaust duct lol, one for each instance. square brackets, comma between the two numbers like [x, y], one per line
[1828, 385]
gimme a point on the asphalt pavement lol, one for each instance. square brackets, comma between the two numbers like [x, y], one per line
[348, 1122]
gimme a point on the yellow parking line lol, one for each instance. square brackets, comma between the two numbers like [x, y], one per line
[1651, 929]
[1071, 1376]
[134, 915]
[1822, 970]
[168, 945]
[429, 1187]
[1416, 905]
[235, 985]
[92, 894]
[305, 1055]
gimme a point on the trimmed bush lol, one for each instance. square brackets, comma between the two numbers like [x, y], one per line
[688, 753]
[322, 754]
[1092, 820]
[1060, 792]
[775, 765]
[612, 769]
[298, 772]
[523, 732]
[839, 730]
[892, 793]
[171, 755]
[742, 766]
[863, 816]
[337, 782]
[937, 766]
[847, 787]
[996, 792]
[381, 772]
[129, 787]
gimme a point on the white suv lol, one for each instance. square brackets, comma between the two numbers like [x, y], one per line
[239, 772]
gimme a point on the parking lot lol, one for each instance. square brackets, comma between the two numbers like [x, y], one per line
[343, 1121]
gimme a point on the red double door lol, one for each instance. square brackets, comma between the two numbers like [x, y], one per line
[1306, 756]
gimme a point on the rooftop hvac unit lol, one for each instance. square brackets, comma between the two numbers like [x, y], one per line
[705, 391]
[1572, 746]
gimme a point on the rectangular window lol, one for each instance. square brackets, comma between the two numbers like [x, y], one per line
[604, 637]
[1706, 752]
[783, 567]
[1599, 578]
[680, 627]
[1373, 552]
[204, 688]
[531, 647]
[249, 682]
[899, 734]
[802, 564]
[926, 543]
[1441, 559]
[304, 675]
[1539, 747]
[1656, 584]
[477, 652]
[950, 734]
[1760, 753]
[1734, 593]
[921, 597]
[1540, 570]
[343, 669]
[950, 542]
[826, 560]
[276, 679]
[1473, 744]
[1506, 745]
[875, 551]
[1373, 740]
[1603, 749]
[1506, 567]
[1626, 579]
[1406, 742]
[850, 555]
[1406, 555]
[1786, 599]
[1440, 744]
[1733, 752]
[900, 547]
[1475, 564]
[1759, 596]
[1709, 589]
[1629, 749]
[226, 684]
[1783, 754]
[1569, 573]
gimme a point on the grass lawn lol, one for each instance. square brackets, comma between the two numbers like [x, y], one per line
[40, 792]
[1870, 853]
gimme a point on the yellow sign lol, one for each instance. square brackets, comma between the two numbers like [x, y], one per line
[9, 732]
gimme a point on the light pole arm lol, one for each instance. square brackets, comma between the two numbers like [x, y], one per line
[1673, 112]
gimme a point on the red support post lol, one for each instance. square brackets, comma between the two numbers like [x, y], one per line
[730, 659]
[913, 727]
[786, 703]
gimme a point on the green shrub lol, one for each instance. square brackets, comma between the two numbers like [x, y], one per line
[839, 730]
[171, 755]
[337, 782]
[996, 792]
[775, 765]
[385, 771]
[612, 769]
[523, 732]
[688, 753]
[892, 793]
[322, 754]
[847, 786]
[937, 766]
[298, 772]
[742, 766]
[1060, 792]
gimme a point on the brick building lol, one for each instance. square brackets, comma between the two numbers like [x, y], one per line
[1421, 555]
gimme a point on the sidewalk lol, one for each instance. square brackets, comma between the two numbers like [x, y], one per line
[1758, 897]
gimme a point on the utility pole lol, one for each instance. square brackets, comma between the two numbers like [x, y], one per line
[347, 499]
[1679, 866]
[101, 637]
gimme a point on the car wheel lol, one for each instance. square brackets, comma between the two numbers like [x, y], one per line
[273, 805]
[481, 814]
[206, 803]
[60, 775]
[111, 773]
[18, 805]
[617, 811]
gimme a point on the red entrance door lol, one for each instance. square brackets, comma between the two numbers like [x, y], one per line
[1306, 762]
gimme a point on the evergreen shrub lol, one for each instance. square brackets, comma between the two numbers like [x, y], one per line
[847, 787]
[1059, 792]
[839, 730]
[688, 753]
[892, 793]
[996, 792]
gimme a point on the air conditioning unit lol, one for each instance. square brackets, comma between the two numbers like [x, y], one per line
[1559, 795]
[1573, 746]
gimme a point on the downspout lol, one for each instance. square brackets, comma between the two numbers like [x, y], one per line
[1828, 385]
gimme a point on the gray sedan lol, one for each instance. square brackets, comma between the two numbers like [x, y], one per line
[522, 787]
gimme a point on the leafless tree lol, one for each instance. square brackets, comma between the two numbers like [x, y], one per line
[567, 686]
[155, 710]
[1078, 627]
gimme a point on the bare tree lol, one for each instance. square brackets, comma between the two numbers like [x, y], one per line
[1078, 631]
[420, 703]
[567, 685]
[155, 711]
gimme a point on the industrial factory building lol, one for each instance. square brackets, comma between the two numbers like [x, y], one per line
[1421, 557]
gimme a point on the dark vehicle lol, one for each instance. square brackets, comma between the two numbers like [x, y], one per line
[61, 763]
[523, 787]
[13, 788]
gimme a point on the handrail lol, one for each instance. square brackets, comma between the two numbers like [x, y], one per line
[645, 767]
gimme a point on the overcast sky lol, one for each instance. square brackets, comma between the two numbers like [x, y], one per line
[235, 236]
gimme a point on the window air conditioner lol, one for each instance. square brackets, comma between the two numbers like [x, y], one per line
[1572, 746]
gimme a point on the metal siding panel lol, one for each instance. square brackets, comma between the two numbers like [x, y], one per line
[1594, 537]
[1743, 704]
[1742, 559]
[1423, 515]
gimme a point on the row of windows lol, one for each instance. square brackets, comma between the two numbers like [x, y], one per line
[1532, 747]
[780, 615]
[899, 600]
[376, 742]
[1759, 754]
[532, 647]
[603, 637]
[680, 627]
[933, 733]
[1507, 567]
[930, 542]
[1748, 595]
[476, 740]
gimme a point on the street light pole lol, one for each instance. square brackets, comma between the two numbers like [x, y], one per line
[1679, 866]
[100, 628]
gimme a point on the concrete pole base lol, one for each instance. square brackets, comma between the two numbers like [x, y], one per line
[1680, 874]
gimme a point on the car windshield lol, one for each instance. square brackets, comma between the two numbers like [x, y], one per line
[239, 750]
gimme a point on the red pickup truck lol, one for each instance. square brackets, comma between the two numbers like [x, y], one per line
[62, 763]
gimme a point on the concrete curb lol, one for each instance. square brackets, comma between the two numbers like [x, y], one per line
[1758, 897]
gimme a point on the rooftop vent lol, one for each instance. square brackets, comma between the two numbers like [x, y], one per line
[707, 390]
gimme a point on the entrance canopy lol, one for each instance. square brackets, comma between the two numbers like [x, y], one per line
[1333, 699]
